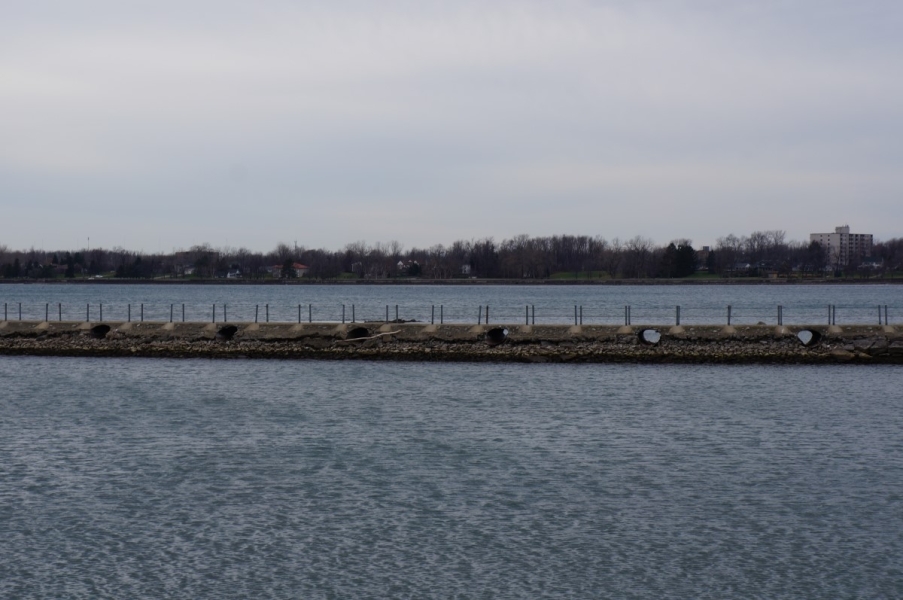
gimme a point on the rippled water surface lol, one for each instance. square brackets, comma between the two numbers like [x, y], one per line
[248, 479]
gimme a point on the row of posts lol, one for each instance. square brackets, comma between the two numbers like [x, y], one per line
[482, 315]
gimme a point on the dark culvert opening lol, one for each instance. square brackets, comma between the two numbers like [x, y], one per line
[225, 334]
[358, 333]
[649, 337]
[99, 332]
[808, 337]
[496, 336]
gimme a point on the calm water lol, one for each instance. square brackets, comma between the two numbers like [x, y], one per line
[249, 479]
[802, 304]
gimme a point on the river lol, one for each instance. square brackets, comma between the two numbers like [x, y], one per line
[155, 478]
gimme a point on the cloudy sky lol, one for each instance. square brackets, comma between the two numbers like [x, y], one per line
[155, 125]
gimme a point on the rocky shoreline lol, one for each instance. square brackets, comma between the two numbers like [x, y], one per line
[456, 343]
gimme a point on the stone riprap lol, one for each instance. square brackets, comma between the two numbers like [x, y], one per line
[457, 342]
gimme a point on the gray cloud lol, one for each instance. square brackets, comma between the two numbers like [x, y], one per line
[169, 125]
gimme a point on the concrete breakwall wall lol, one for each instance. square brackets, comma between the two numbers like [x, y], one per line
[458, 342]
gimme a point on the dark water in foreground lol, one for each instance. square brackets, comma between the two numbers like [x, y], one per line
[203, 479]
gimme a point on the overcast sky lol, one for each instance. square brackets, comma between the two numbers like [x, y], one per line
[158, 125]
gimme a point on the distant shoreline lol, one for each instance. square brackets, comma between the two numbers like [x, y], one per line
[459, 282]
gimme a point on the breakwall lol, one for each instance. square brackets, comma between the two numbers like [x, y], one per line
[458, 342]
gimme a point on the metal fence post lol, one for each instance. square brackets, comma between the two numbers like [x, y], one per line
[170, 312]
[677, 315]
[352, 314]
[480, 315]
[533, 313]
[183, 313]
[527, 314]
[728, 315]
[267, 307]
[47, 311]
[433, 314]
[101, 312]
[343, 313]
[487, 314]
[87, 313]
[387, 313]
[214, 313]
[310, 313]
[396, 312]
[581, 314]
[142, 312]
[61, 311]
[225, 315]
[626, 320]
[256, 312]
[441, 314]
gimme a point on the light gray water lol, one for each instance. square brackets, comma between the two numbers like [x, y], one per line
[141, 478]
[700, 304]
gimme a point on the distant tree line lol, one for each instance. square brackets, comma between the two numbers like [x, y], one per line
[760, 254]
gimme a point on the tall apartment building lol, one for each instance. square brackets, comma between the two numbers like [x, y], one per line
[843, 246]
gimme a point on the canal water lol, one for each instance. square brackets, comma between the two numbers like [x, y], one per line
[157, 478]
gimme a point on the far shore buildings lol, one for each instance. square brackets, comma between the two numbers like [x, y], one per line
[844, 247]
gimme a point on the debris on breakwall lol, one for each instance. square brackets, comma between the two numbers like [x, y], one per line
[457, 342]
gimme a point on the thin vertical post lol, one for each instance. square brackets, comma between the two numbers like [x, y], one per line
[526, 314]
[626, 320]
[225, 315]
[480, 316]
[433, 315]
[142, 312]
[47, 311]
[101, 313]
[629, 316]
[581, 314]
[61, 310]
[352, 314]
[87, 313]
[533, 314]
[879, 314]
[575, 314]
[886, 322]
[441, 314]
[171, 307]
[183, 312]
[267, 307]
[677, 315]
[829, 314]
[343, 313]
[20, 310]
[214, 313]
[129, 312]
[5, 312]
[728, 315]
[256, 312]
[310, 313]
[299, 313]
[387, 313]
[396, 313]
[487, 314]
